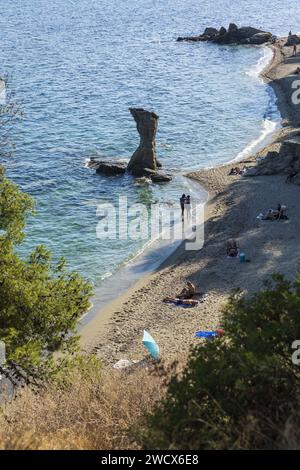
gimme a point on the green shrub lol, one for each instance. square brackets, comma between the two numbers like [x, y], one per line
[40, 301]
[237, 391]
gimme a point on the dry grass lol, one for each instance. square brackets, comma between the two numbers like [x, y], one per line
[102, 413]
[91, 414]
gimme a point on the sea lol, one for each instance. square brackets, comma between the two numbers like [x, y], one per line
[76, 66]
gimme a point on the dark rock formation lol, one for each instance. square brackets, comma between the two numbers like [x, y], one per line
[211, 32]
[145, 154]
[108, 167]
[293, 40]
[234, 35]
[284, 161]
[232, 28]
[260, 38]
[144, 161]
[115, 168]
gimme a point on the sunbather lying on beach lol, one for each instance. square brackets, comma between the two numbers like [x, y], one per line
[278, 214]
[281, 212]
[237, 171]
[271, 214]
[187, 292]
[177, 301]
[232, 248]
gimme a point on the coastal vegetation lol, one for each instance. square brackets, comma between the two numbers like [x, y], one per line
[40, 300]
[240, 391]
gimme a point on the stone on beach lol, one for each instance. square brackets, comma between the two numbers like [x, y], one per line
[292, 40]
[281, 162]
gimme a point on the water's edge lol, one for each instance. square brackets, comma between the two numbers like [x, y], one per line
[153, 255]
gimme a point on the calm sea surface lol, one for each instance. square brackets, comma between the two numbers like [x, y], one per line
[77, 66]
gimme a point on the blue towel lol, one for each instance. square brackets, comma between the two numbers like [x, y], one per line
[206, 334]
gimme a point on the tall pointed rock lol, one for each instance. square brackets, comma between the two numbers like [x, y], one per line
[145, 154]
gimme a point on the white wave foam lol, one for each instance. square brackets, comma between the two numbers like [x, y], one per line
[269, 124]
[268, 127]
[87, 161]
[261, 64]
[62, 150]
[106, 275]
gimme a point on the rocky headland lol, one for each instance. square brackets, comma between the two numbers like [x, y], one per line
[282, 156]
[232, 35]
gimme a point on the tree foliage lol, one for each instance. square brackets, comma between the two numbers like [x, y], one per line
[40, 301]
[240, 390]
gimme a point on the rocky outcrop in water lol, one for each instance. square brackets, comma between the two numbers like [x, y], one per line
[232, 35]
[145, 154]
[108, 167]
[157, 176]
[143, 162]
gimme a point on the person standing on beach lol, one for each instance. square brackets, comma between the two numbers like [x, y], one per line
[295, 50]
[188, 206]
[182, 202]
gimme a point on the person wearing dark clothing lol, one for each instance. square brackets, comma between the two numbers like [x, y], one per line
[182, 202]
[294, 50]
[188, 206]
[291, 176]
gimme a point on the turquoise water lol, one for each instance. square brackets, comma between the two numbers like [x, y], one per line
[77, 66]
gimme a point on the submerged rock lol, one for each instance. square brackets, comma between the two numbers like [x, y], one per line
[234, 35]
[157, 176]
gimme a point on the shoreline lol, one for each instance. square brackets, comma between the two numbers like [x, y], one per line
[115, 277]
[146, 262]
[116, 330]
